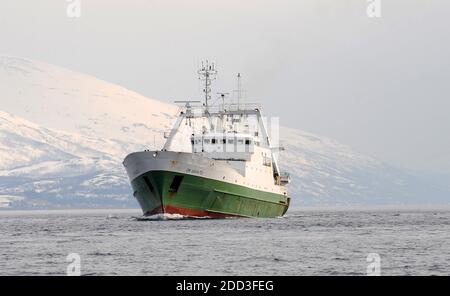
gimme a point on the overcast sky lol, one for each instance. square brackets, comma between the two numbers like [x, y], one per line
[380, 85]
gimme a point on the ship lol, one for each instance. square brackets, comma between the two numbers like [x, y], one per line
[228, 168]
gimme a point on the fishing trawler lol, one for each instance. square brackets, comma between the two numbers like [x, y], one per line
[229, 170]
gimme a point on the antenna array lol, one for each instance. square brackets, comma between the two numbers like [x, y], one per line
[207, 73]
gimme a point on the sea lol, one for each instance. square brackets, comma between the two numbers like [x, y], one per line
[304, 242]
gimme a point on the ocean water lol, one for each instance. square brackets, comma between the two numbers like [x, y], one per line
[305, 242]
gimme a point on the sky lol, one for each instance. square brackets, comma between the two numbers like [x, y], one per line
[380, 85]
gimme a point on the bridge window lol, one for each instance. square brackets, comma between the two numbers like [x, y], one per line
[213, 141]
[206, 141]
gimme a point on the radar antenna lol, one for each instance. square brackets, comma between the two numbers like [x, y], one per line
[187, 103]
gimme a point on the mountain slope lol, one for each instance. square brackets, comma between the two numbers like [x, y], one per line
[328, 173]
[42, 167]
[68, 151]
[61, 99]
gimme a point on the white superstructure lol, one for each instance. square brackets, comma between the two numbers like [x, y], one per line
[230, 138]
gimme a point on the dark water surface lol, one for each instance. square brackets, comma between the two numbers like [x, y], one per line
[307, 242]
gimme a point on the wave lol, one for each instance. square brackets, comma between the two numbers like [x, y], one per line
[166, 216]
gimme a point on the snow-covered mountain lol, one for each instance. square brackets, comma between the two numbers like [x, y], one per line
[57, 98]
[326, 172]
[42, 167]
[78, 129]
[63, 136]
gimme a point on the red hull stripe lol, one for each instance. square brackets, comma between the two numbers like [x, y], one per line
[187, 212]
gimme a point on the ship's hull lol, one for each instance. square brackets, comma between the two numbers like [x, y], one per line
[199, 196]
[162, 189]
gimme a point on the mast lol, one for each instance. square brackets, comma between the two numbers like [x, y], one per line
[239, 90]
[207, 73]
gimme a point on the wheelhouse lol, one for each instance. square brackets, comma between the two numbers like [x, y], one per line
[227, 142]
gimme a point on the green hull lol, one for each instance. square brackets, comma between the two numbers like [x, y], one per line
[176, 193]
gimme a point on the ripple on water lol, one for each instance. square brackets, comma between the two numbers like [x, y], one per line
[301, 243]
